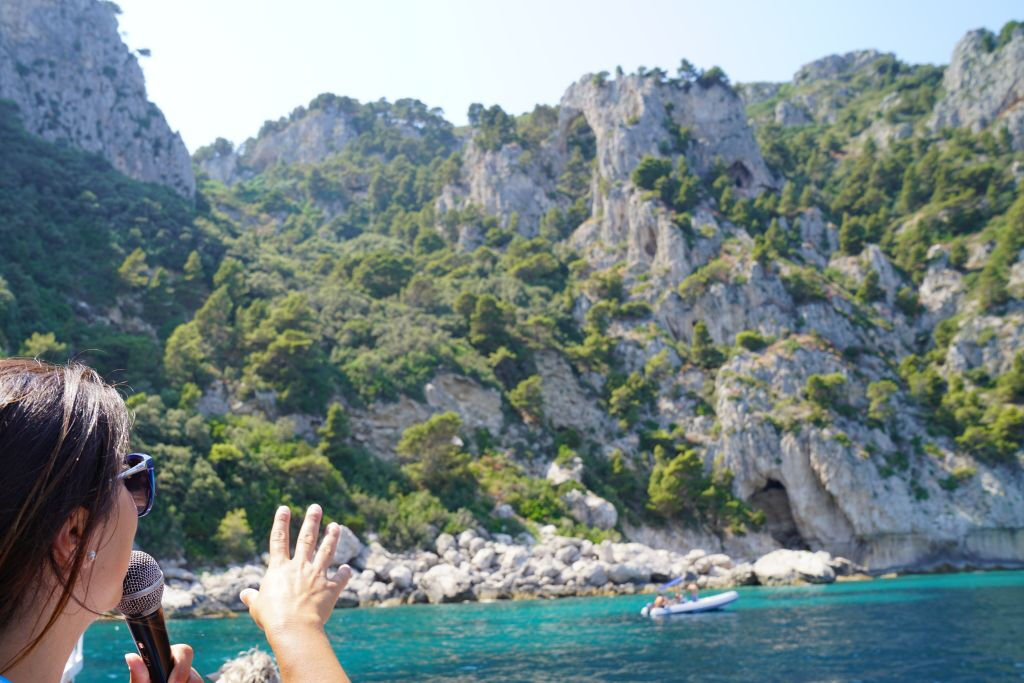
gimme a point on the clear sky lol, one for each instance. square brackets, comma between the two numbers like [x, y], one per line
[223, 67]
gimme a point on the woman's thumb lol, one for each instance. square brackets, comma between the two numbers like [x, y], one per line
[248, 595]
[137, 671]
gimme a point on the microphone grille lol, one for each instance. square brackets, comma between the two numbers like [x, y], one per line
[143, 586]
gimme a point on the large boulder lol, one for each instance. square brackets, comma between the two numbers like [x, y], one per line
[445, 583]
[401, 576]
[628, 573]
[785, 567]
[349, 546]
[224, 587]
[591, 573]
[591, 509]
[484, 558]
[444, 543]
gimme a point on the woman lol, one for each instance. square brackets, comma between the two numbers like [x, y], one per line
[70, 500]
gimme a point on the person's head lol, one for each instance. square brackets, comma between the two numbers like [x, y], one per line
[67, 521]
[692, 588]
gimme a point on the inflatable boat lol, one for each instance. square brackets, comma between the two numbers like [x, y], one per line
[712, 602]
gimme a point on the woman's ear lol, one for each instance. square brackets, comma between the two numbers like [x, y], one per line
[70, 536]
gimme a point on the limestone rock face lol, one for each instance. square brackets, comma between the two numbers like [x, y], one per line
[984, 85]
[567, 403]
[505, 182]
[987, 341]
[628, 117]
[381, 425]
[477, 406]
[828, 486]
[63, 64]
[310, 136]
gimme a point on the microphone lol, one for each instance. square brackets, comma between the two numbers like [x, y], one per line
[140, 605]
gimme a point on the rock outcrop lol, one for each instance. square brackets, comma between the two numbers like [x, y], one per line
[311, 134]
[64, 65]
[984, 85]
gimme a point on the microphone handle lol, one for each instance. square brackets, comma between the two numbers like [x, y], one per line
[150, 635]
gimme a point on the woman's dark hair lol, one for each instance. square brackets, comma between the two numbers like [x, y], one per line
[63, 432]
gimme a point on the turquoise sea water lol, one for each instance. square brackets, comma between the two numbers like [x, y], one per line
[953, 627]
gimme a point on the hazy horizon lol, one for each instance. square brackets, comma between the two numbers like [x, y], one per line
[222, 69]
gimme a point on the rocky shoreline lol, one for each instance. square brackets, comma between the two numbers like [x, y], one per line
[475, 566]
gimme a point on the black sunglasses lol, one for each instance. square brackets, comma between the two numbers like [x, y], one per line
[140, 480]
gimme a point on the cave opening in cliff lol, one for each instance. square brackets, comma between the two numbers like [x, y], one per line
[741, 175]
[773, 501]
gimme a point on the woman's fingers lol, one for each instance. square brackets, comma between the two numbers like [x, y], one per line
[182, 671]
[279, 535]
[325, 553]
[306, 543]
[137, 671]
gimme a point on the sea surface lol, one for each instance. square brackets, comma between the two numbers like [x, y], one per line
[950, 627]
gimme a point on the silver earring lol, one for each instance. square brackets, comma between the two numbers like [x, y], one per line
[91, 555]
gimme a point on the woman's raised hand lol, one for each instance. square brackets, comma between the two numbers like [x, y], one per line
[296, 598]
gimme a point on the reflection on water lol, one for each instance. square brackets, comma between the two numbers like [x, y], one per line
[948, 627]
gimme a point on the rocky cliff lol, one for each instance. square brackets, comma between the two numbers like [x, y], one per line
[745, 318]
[844, 483]
[63, 63]
[984, 84]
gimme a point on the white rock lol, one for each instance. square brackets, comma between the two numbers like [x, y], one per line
[694, 555]
[224, 587]
[514, 558]
[721, 560]
[444, 543]
[504, 511]
[401, 576]
[466, 537]
[484, 558]
[567, 554]
[178, 574]
[561, 473]
[591, 509]
[594, 574]
[782, 567]
[349, 546]
[444, 583]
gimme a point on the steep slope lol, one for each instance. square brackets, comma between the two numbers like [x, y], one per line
[63, 64]
[666, 309]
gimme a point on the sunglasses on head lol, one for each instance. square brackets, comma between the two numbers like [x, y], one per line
[140, 480]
